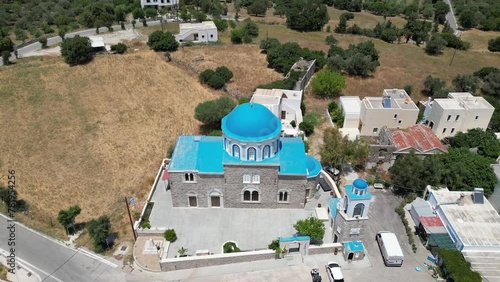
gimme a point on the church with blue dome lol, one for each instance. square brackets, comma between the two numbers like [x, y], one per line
[249, 166]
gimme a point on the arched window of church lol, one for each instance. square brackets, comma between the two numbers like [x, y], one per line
[236, 151]
[265, 152]
[358, 209]
[251, 154]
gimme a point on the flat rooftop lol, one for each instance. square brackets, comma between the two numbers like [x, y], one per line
[350, 104]
[463, 100]
[202, 25]
[398, 97]
[280, 93]
[266, 100]
[476, 224]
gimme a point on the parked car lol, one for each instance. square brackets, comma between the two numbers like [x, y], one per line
[334, 272]
[315, 275]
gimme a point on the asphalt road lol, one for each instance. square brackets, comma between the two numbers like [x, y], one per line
[54, 261]
[450, 17]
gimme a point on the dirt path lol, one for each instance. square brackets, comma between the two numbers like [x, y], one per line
[316, 140]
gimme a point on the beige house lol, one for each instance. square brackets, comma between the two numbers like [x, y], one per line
[394, 109]
[461, 111]
[284, 104]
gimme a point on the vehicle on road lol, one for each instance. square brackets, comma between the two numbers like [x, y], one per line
[315, 275]
[378, 185]
[390, 248]
[334, 272]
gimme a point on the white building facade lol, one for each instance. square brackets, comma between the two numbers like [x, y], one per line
[461, 111]
[284, 104]
[158, 3]
[203, 32]
[394, 109]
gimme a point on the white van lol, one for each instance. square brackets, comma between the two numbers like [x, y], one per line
[390, 249]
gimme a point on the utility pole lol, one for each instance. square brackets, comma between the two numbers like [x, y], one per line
[131, 221]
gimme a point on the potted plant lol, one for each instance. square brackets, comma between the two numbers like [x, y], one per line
[182, 252]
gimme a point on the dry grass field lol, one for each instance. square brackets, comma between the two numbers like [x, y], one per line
[93, 134]
[248, 65]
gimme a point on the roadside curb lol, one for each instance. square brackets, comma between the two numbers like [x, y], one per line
[21, 264]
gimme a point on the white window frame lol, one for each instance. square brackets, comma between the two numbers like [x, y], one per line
[253, 155]
[256, 179]
[189, 177]
[286, 194]
[247, 178]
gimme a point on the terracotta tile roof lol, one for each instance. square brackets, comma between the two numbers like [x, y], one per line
[431, 221]
[419, 137]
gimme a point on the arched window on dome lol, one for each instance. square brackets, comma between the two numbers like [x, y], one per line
[358, 209]
[251, 154]
[265, 152]
[236, 151]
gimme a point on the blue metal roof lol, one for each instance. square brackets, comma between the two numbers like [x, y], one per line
[332, 204]
[313, 166]
[206, 154]
[354, 246]
[251, 122]
[352, 195]
[295, 238]
[197, 153]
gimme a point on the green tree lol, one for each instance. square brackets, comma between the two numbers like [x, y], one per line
[440, 11]
[494, 44]
[485, 71]
[467, 19]
[455, 42]
[491, 85]
[428, 11]
[306, 15]
[312, 227]
[486, 142]
[6, 44]
[406, 174]
[307, 126]
[457, 267]
[436, 45]
[210, 113]
[6, 58]
[76, 50]
[258, 7]
[199, 16]
[333, 148]
[237, 36]
[356, 153]
[138, 13]
[433, 85]
[150, 13]
[251, 28]
[224, 72]
[62, 32]
[465, 83]
[328, 84]
[99, 230]
[268, 44]
[170, 235]
[220, 24]
[67, 217]
[282, 59]
[119, 48]
[121, 14]
[162, 41]
[43, 41]
[21, 34]
[330, 40]
[216, 81]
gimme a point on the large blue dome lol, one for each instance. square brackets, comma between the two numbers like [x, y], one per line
[360, 184]
[251, 122]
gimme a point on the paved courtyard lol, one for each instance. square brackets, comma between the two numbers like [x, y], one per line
[209, 228]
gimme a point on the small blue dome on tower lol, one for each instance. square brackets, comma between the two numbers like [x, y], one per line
[251, 122]
[360, 184]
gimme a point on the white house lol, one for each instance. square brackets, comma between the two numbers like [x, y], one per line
[284, 104]
[461, 111]
[473, 225]
[197, 32]
[158, 3]
[394, 109]
[351, 107]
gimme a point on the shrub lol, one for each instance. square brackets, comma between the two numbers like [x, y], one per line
[485, 71]
[436, 45]
[251, 28]
[206, 75]
[328, 84]
[307, 127]
[119, 48]
[494, 44]
[215, 133]
[43, 41]
[224, 72]
[99, 230]
[237, 36]
[268, 44]
[274, 244]
[162, 41]
[220, 24]
[455, 42]
[170, 235]
[76, 50]
[230, 247]
[216, 82]
[312, 227]
[232, 24]
[287, 84]
[408, 88]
